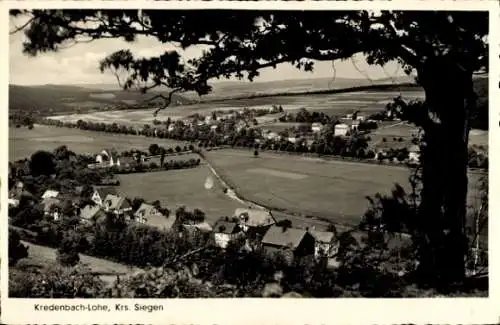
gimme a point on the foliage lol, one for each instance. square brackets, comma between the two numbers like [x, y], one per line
[17, 250]
[42, 163]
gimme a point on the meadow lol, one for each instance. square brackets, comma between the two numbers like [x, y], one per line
[175, 188]
[335, 190]
[334, 104]
[24, 142]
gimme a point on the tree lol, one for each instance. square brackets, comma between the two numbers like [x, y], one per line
[443, 48]
[42, 163]
[17, 250]
[153, 149]
[67, 254]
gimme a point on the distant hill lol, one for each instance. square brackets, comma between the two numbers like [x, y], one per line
[69, 98]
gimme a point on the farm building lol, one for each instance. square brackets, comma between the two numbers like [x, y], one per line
[50, 194]
[100, 194]
[414, 154]
[224, 232]
[341, 129]
[355, 124]
[298, 241]
[116, 204]
[317, 127]
[91, 213]
[326, 244]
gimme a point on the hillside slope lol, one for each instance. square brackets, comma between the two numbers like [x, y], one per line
[60, 98]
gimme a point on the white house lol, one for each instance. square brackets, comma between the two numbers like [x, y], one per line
[317, 127]
[292, 139]
[171, 127]
[224, 232]
[116, 204]
[48, 194]
[111, 157]
[326, 245]
[100, 194]
[414, 154]
[355, 124]
[341, 129]
[272, 136]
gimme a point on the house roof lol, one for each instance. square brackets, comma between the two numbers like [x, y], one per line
[116, 202]
[225, 227]
[322, 236]
[414, 148]
[284, 237]
[256, 218]
[50, 193]
[155, 218]
[105, 191]
[90, 211]
[49, 203]
[341, 125]
[202, 226]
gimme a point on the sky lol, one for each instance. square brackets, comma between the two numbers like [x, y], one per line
[79, 64]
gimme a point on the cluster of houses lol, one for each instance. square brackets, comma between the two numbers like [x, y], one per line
[256, 227]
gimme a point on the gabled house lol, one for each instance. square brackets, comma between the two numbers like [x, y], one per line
[341, 129]
[151, 216]
[109, 157]
[100, 194]
[326, 245]
[203, 227]
[91, 214]
[298, 241]
[414, 154]
[254, 218]
[116, 204]
[52, 207]
[225, 231]
[50, 194]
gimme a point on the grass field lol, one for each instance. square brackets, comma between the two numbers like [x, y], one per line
[175, 188]
[23, 142]
[334, 104]
[335, 190]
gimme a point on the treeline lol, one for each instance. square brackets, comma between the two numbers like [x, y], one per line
[153, 166]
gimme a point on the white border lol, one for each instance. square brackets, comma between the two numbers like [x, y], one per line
[272, 311]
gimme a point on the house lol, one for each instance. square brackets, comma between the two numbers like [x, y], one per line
[225, 231]
[299, 241]
[254, 218]
[52, 207]
[151, 216]
[273, 136]
[202, 227]
[414, 154]
[91, 213]
[16, 193]
[326, 245]
[50, 194]
[100, 194]
[292, 140]
[317, 127]
[355, 124]
[171, 127]
[117, 204]
[341, 129]
[110, 156]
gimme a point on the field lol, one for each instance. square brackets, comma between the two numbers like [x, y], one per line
[42, 256]
[334, 104]
[23, 142]
[335, 190]
[175, 188]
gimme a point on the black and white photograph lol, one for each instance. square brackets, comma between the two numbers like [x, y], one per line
[228, 153]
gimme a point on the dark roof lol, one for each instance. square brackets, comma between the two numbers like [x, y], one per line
[105, 191]
[284, 237]
[225, 227]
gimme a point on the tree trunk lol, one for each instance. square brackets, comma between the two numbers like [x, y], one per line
[450, 97]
